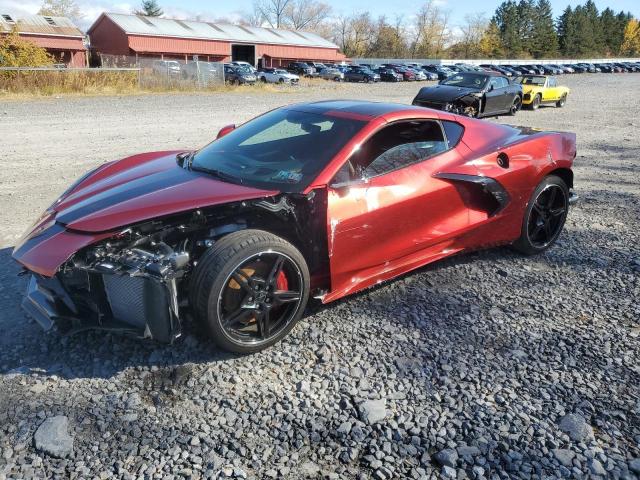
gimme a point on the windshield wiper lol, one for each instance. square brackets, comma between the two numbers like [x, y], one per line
[185, 159]
[217, 173]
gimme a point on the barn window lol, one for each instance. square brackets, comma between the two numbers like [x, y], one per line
[8, 19]
[50, 21]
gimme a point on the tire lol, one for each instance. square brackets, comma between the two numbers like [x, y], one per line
[537, 100]
[263, 79]
[515, 106]
[563, 100]
[544, 216]
[233, 279]
[281, 80]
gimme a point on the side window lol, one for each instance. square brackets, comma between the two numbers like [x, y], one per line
[397, 146]
[495, 83]
[453, 131]
[553, 82]
[503, 82]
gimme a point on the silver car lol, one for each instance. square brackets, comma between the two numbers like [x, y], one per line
[331, 74]
[277, 75]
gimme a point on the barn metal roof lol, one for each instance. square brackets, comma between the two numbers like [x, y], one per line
[166, 27]
[39, 25]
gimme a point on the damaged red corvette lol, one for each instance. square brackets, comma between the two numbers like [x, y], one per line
[319, 199]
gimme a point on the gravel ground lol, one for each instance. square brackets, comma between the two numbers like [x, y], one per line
[486, 365]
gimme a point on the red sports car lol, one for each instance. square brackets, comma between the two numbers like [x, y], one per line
[320, 199]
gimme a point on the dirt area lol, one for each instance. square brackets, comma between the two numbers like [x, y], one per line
[488, 365]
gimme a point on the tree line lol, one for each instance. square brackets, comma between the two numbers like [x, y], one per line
[517, 29]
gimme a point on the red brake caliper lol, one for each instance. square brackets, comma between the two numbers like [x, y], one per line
[281, 282]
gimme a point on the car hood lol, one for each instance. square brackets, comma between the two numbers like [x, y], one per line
[443, 93]
[140, 188]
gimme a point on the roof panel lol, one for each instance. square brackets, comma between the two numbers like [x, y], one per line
[166, 27]
[40, 24]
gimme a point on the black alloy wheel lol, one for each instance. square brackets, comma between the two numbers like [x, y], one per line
[545, 216]
[260, 298]
[515, 106]
[250, 288]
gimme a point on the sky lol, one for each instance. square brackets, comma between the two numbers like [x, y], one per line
[233, 9]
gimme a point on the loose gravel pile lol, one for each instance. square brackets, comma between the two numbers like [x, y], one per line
[486, 365]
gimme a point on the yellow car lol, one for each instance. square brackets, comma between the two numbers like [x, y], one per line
[542, 89]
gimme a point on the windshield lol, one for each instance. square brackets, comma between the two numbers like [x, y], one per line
[281, 72]
[278, 150]
[531, 80]
[466, 80]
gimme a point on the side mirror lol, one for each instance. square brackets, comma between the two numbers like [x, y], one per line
[490, 88]
[224, 130]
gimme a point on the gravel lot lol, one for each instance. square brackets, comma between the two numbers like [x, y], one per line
[487, 365]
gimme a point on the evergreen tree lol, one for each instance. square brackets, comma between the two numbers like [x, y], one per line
[609, 26]
[580, 40]
[563, 28]
[150, 8]
[507, 20]
[544, 39]
[593, 21]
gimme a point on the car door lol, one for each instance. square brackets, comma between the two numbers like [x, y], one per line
[550, 93]
[495, 96]
[400, 214]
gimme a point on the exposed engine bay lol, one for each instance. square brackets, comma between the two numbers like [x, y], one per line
[138, 280]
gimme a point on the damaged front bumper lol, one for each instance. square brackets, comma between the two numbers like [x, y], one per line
[81, 300]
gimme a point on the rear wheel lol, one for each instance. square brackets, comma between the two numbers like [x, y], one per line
[563, 100]
[544, 217]
[515, 106]
[537, 100]
[250, 289]
[263, 79]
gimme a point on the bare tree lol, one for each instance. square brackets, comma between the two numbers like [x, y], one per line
[61, 8]
[430, 31]
[271, 12]
[306, 14]
[472, 31]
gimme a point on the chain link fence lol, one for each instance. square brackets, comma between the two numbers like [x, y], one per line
[169, 73]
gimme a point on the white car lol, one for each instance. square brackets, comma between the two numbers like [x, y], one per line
[244, 65]
[166, 67]
[277, 75]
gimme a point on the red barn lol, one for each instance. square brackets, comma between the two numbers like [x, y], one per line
[58, 35]
[139, 36]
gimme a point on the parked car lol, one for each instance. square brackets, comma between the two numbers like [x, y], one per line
[578, 68]
[240, 236]
[277, 75]
[605, 67]
[407, 74]
[419, 75]
[389, 75]
[542, 90]
[563, 68]
[358, 73]
[317, 66]
[590, 68]
[238, 75]
[498, 68]
[473, 94]
[245, 65]
[167, 67]
[301, 68]
[331, 74]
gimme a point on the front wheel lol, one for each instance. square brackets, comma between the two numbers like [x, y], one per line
[544, 216]
[563, 100]
[250, 289]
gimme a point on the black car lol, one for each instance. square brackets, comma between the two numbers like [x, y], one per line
[579, 68]
[388, 75]
[473, 94]
[238, 75]
[301, 68]
[442, 72]
[358, 73]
